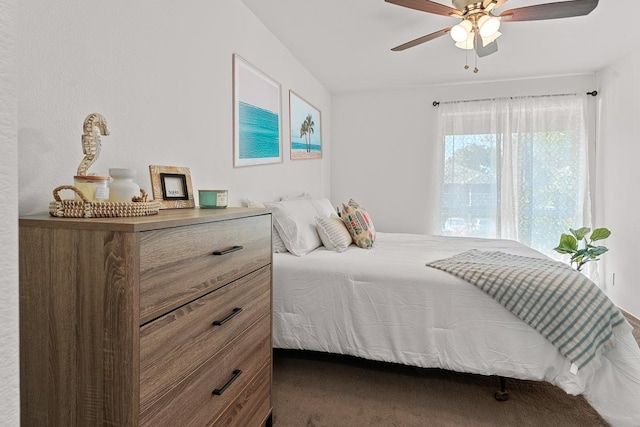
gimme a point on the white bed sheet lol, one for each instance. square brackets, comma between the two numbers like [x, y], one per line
[385, 304]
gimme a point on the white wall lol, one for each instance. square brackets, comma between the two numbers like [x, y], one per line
[618, 176]
[9, 361]
[161, 73]
[383, 145]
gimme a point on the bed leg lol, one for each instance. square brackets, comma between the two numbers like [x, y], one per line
[502, 394]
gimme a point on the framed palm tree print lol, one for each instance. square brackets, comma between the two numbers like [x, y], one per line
[305, 128]
[256, 116]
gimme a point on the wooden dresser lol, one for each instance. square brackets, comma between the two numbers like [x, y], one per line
[162, 320]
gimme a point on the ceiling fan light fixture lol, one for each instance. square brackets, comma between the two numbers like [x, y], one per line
[478, 28]
[461, 32]
[468, 43]
[491, 38]
[488, 25]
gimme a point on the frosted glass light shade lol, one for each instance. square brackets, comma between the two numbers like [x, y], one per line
[467, 43]
[488, 25]
[460, 32]
[491, 38]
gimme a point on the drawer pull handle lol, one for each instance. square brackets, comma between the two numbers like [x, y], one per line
[233, 313]
[219, 391]
[228, 250]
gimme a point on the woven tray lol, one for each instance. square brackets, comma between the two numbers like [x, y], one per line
[87, 209]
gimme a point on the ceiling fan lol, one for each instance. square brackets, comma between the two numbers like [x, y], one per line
[478, 29]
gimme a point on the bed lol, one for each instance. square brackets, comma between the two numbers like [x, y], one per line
[385, 304]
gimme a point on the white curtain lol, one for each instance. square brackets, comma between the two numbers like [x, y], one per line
[514, 168]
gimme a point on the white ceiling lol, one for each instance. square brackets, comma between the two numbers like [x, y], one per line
[346, 44]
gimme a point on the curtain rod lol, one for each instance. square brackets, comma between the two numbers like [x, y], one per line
[436, 103]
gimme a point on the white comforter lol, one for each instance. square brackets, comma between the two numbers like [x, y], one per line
[385, 304]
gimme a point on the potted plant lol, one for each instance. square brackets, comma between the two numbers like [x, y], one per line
[581, 247]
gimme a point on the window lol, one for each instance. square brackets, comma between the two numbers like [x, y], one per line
[514, 168]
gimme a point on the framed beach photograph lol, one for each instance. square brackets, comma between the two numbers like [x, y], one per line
[305, 128]
[257, 127]
[171, 186]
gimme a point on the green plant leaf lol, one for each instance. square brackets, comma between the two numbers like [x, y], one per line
[579, 255]
[597, 251]
[568, 244]
[580, 233]
[600, 234]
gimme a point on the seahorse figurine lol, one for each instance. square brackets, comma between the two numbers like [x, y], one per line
[94, 125]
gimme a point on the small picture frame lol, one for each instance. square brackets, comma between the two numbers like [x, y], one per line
[171, 186]
[174, 186]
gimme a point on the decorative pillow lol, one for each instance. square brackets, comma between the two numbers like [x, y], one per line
[359, 224]
[333, 233]
[295, 221]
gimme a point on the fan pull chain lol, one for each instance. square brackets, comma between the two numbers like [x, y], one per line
[466, 59]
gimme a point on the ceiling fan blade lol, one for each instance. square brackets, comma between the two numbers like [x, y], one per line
[482, 49]
[427, 6]
[564, 9]
[421, 40]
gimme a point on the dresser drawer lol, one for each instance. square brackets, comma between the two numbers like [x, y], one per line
[193, 402]
[250, 408]
[180, 264]
[173, 345]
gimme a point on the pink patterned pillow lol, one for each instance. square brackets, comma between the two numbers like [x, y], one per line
[359, 224]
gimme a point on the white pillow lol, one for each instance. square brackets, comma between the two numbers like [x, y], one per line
[333, 233]
[276, 242]
[295, 221]
[323, 207]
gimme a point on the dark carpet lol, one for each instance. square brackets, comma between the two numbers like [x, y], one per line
[324, 390]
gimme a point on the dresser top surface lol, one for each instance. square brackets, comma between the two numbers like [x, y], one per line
[166, 218]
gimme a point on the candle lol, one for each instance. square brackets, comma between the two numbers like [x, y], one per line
[93, 187]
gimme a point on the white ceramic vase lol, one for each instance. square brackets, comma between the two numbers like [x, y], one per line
[122, 188]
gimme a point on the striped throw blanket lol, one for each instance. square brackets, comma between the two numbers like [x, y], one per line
[559, 302]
